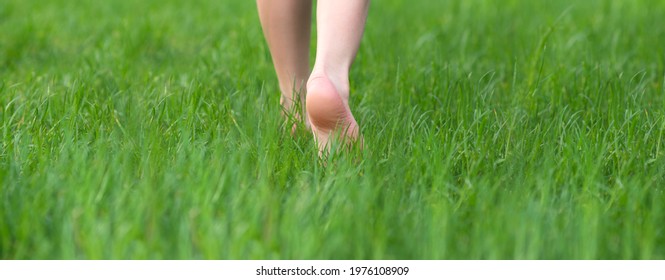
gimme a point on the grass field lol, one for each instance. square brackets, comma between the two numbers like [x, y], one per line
[511, 129]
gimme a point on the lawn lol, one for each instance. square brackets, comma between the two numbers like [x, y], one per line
[511, 129]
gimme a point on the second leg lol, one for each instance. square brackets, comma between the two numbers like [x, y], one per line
[340, 26]
[286, 25]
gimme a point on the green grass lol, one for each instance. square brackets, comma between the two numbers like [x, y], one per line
[509, 129]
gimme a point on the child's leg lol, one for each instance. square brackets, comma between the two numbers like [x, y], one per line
[286, 26]
[340, 26]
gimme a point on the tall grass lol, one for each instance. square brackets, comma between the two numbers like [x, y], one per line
[493, 130]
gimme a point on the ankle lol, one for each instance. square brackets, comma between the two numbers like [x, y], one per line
[341, 82]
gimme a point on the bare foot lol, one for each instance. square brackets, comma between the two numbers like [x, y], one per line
[329, 114]
[291, 113]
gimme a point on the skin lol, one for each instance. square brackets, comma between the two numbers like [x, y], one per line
[340, 26]
[286, 26]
